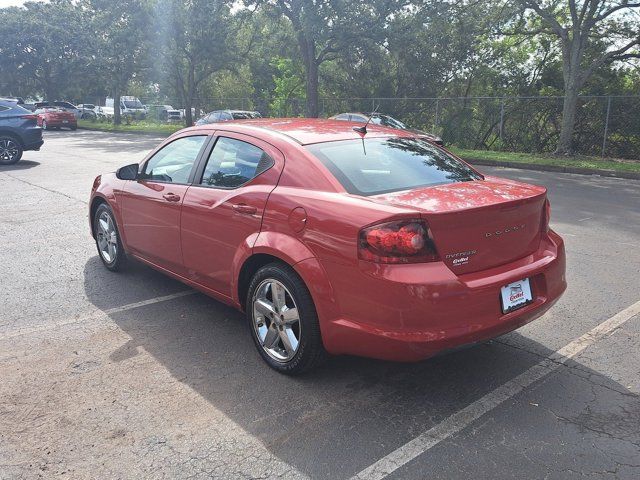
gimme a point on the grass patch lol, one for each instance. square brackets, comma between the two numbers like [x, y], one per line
[596, 163]
[139, 126]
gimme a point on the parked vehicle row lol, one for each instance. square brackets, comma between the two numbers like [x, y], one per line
[132, 107]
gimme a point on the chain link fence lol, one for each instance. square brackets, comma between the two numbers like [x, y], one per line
[605, 125]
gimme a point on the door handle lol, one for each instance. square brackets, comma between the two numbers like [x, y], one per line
[171, 197]
[244, 208]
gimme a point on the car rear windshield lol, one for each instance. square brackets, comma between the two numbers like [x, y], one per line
[379, 165]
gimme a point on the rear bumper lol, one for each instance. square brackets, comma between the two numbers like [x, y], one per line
[412, 312]
[32, 139]
[60, 123]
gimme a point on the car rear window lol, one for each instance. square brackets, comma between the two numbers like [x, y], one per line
[379, 165]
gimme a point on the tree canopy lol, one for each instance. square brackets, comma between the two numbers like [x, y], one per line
[295, 57]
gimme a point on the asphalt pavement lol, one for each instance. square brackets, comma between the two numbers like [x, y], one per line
[135, 375]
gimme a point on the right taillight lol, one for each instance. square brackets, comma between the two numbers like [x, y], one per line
[405, 241]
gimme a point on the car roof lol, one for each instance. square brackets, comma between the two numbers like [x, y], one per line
[305, 130]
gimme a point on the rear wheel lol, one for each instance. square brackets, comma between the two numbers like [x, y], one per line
[10, 150]
[108, 239]
[283, 320]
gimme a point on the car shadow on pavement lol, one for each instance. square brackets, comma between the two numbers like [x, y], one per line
[21, 165]
[343, 416]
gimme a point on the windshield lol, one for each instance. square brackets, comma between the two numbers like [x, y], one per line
[380, 165]
[132, 103]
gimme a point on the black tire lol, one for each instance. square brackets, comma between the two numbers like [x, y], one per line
[120, 258]
[10, 150]
[310, 352]
[74, 127]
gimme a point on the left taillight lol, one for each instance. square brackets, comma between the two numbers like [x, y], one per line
[404, 241]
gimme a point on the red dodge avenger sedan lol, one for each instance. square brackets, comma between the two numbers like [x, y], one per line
[335, 239]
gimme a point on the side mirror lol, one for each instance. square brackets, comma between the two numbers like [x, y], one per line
[129, 172]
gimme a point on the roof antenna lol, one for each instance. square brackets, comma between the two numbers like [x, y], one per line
[363, 128]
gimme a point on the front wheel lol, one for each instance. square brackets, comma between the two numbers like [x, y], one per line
[10, 150]
[283, 320]
[107, 238]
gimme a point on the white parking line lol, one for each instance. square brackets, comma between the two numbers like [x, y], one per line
[461, 419]
[97, 314]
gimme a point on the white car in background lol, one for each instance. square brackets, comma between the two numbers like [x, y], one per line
[104, 112]
[129, 106]
[88, 111]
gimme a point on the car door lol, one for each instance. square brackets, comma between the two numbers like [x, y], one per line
[224, 206]
[151, 205]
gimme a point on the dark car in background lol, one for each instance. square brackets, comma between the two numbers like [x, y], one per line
[18, 132]
[228, 115]
[386, 121]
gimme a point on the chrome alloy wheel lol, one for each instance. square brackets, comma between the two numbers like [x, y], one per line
[276, 321]
[107, 238]
[9, 150]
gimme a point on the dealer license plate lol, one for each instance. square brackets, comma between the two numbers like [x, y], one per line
[515, 295]
[65, 121]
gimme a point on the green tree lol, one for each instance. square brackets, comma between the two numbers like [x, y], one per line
[38, 56]
[325, 29]
[120, 42]
[195, 44]
[289, 84]
[591, 34]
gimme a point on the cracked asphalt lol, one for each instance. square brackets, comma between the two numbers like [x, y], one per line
[174, 389]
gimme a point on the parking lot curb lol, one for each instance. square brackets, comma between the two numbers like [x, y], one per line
[555, 168]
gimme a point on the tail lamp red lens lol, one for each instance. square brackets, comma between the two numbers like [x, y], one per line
[407, 241]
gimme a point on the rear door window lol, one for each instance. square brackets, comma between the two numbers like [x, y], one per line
[380, 165]
[233, 163]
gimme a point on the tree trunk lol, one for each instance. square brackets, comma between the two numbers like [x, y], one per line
[308, 51]
[312, 88]
[569, 107]
[116, 106]
[188, 118]
[572, 53]
[188, 100]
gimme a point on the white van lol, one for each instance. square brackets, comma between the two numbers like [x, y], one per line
[129, 106]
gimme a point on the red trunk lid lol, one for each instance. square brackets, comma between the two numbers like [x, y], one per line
[480, 224]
